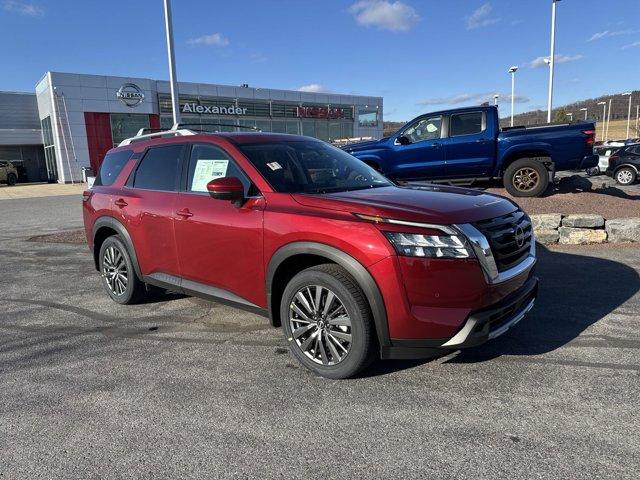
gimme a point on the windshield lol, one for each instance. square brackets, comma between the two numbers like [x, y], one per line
[311, 167]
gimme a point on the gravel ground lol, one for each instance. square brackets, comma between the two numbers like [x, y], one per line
[578, 193]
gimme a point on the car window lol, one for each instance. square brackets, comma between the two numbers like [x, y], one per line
[111, 167]
[311, 167]
[207, 163]
[158, 169]
[424, 129]
[465, 124]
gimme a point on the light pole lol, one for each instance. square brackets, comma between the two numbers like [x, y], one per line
[585, 112]
[495, 99]
[168, 24]
[608, 118]
[604, 114]
[637, 118]
[552, 58]
[570, 115]
[513, 71]
[629, 113]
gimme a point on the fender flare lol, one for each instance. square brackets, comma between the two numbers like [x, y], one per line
[368, 158]
[630, 165]
[116, 225]
[350, 264]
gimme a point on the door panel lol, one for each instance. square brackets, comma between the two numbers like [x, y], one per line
[470, 148]
[424, 157]
[219, 243]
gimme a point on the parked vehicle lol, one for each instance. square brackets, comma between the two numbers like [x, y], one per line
[604, 152]
[467, 144]
[349, 264]
[624, 164]
[8, 173]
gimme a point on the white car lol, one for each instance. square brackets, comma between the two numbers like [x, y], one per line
[604, 151]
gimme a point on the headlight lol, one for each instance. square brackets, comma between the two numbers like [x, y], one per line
[433, 246]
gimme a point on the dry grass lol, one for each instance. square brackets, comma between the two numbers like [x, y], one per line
[617, 130]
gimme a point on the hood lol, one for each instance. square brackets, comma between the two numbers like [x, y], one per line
[366, 145]
[429, 204]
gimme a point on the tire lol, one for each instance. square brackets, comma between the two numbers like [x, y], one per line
[526, 178]
[328, 344]
[118, 275]
[625, 176]
[12, 179]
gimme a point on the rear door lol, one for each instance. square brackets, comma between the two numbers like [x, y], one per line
[219, 243]
[423, 157]
[146, 205]
[470, 146]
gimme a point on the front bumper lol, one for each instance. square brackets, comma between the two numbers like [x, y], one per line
[480, 326]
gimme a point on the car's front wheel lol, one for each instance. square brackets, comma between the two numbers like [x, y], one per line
[12, 179]
[328, 322]
[526, 178]
[625, 176]
[118, 276]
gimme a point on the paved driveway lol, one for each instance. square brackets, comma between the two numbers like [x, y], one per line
[182, 388]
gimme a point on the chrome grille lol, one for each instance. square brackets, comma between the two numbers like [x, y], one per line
[502, 232]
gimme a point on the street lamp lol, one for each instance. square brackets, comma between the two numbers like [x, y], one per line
[608, 118]
[570, 115]
[552, 58]
[585, 112]
[513, 71]
[168, 24]
[604, 114]
[628, 114]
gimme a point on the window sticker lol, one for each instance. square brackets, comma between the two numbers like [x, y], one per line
[274, 166]
[207, 170]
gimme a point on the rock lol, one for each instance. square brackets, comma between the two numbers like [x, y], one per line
[546, 221]
[547, 236]
[585, 220]
[623, 229]
[581, 236]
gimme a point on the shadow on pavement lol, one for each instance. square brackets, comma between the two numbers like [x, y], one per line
[580, 184]
[576, 291]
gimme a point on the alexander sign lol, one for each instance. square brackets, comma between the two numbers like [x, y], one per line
[212, 109]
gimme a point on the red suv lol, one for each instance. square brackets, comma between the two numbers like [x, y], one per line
[349, 264]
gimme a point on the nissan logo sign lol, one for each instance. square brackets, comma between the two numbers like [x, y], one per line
[520, 238]
[130, 94]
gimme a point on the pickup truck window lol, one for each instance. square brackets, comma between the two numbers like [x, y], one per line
[466, 124]
[424, 129]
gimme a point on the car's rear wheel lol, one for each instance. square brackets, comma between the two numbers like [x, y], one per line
[12, 179]
[327, 322]
[526, 178]
[118, 276]
[625, 176]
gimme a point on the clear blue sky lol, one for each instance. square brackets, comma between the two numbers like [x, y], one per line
[419, 55]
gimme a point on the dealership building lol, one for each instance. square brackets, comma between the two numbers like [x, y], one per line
[73, 119]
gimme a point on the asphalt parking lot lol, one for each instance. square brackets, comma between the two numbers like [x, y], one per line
[180, 387]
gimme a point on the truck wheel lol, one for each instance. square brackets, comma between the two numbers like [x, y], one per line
[11, 179]
[625, 176]
[327, 322]
[118, 276]
[526, 178]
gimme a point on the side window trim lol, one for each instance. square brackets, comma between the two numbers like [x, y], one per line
[483, 123]
[420, 119]
[131, 180]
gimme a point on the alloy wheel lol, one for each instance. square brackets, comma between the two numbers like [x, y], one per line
[624, 177]
[114, 270]
[320, 325]
[525, 179]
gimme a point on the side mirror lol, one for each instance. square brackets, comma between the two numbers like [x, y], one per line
[404, 140]
[226, 188]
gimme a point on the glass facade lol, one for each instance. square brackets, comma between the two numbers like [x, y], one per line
[367, 117]
[126, 125]
[49, 150]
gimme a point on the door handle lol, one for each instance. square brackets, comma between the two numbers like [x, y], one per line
[481, 140]
[120, 203]
[435, 145]
[184, 213]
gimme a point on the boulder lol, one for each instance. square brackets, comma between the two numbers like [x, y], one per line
[581, 236]
[623, 229]
[585, 220]
[547, 236]
[546, 221]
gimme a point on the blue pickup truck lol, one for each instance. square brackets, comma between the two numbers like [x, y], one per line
[467, 144]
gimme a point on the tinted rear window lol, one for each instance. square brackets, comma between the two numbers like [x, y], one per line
[111, 167]
[158, 170]
[465, 124]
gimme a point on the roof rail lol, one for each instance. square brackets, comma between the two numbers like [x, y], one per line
[233, 125]
[159, 134]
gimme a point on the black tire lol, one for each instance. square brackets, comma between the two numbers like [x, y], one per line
[12, 179]
[360, 350]
[625, 176]
[526, 178]
[114, 257]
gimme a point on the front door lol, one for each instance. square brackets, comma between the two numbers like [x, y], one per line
[219, 243]
[423, 155]
[470, 148]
